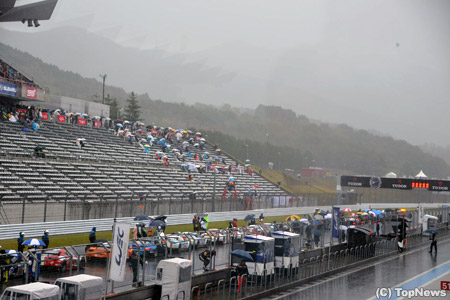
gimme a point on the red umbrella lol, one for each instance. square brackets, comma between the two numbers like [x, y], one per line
[347, 210]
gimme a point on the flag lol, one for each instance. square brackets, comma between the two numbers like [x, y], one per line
[336, 222]
[120, 250]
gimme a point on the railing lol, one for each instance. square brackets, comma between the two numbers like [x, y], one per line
[67, 207]
[307, 269]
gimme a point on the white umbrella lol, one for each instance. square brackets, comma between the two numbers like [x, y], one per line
[303, 220]
[372, 213]
[343, 227]
[328, 216]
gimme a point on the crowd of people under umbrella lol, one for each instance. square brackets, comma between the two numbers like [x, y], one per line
[178, 145]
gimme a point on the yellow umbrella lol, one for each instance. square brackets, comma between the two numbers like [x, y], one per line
[292, 218]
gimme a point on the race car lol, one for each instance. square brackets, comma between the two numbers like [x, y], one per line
[196, 239]
[99, 251]
[151, 248]
[217, 235]
[62, 260]
[176, 242]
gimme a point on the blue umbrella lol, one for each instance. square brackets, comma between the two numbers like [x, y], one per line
[141, 217]
[33, 242]
[249, 217]
[244, 255]
[120, 125]
[431, 231]
[12, 252]
[317, 232]
[317, 222]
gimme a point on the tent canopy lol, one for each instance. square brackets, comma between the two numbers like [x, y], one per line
[421, 175]
[391, 175]
[36, 290]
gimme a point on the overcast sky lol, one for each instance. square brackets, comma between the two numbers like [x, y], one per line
[382, 65]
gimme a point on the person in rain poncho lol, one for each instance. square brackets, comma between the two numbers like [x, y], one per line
[80, 142]
[35, 125]
[20, 241]
[203, 224]
[135, 260]
[92, 235]
[45, 238]
[147, 149]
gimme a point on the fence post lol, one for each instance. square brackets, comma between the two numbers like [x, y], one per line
[65, 208]
[45, 209]
[117, 206]
[23, 210]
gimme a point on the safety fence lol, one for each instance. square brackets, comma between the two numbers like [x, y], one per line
[252, 285]
[49, 264]
[103, 206]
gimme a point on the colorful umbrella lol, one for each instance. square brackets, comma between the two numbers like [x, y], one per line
[347, 209]
[33, 242]
[292, 218]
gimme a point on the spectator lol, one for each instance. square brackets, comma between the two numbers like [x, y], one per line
[241, 271]
[20, 241]
[150, 226]
[39, 151]
[81, 142]
[45, 239]
[235, 223]
[203, 224]
[92, 235]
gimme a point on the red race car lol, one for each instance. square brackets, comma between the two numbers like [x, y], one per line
[61, 259]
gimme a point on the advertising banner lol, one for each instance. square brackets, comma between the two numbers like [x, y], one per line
[61, 119]
[97, 124]
[44, 116]
[8, 89]
[119, 251]
[31, 92]
[81, 121]
[336, 221]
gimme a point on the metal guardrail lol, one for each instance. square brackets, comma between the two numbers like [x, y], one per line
[79, 226]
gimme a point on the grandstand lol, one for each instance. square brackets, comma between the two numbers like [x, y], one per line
[107, 167]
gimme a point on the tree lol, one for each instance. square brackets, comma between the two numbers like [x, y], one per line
[132, 111]
[113, 107]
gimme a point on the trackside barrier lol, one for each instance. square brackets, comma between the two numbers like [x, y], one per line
[307, 268]
[79, 226]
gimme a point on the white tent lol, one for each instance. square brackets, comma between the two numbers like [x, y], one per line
[174, 276]
[82, 286]
[421, 175]
[391, 175]
[35, 290]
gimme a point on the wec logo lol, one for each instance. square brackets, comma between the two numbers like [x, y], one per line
[119, 241]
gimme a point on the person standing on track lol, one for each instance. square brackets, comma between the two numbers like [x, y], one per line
[433, 243]
[45, 239]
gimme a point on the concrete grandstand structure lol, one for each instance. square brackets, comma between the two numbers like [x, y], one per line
[106, 169]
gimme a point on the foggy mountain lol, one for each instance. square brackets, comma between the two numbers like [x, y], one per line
[155, 71]
[268, 130]
[320, 81]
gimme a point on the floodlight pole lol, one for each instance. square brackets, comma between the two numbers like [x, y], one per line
[103, 91]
